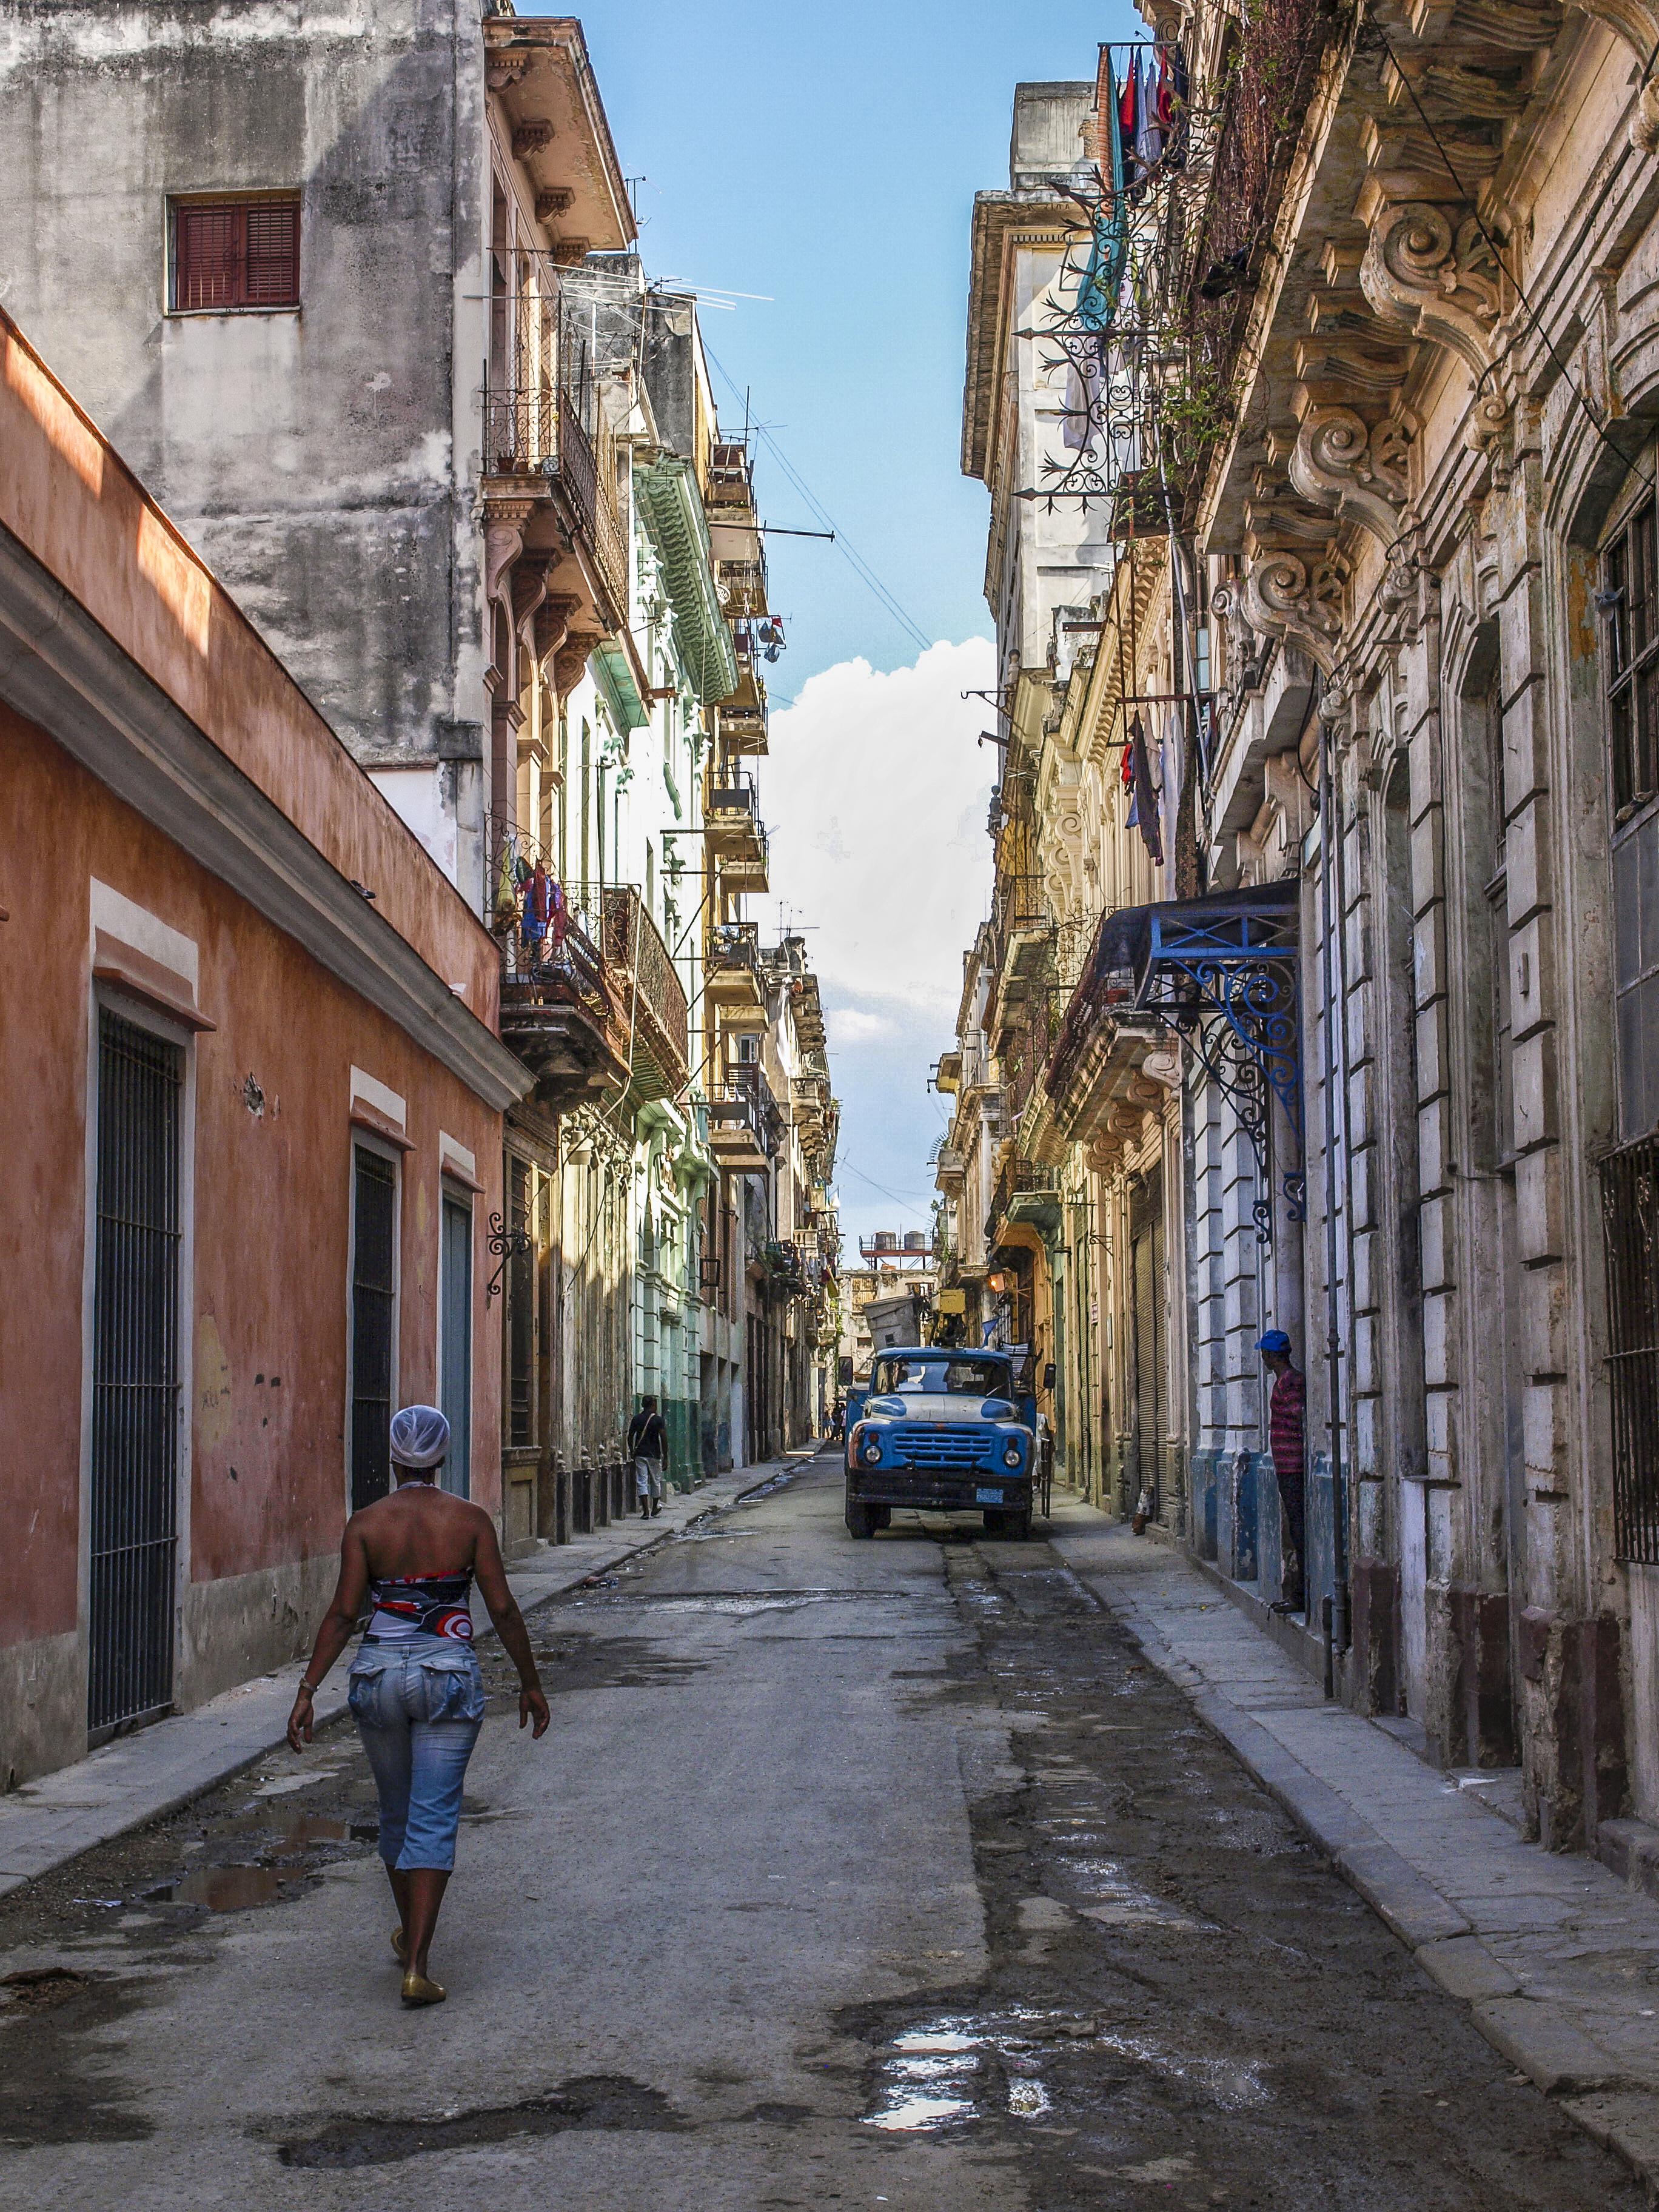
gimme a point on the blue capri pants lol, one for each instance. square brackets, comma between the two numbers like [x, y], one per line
[418, 1702]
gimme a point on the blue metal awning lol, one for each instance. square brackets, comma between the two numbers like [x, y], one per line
[1222, 968]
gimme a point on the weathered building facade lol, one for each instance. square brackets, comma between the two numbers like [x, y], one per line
[370, 318]
[252, 1108]
[1369, 1029]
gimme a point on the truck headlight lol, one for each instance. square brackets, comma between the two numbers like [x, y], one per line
[1011, 1455]
[870, 1450]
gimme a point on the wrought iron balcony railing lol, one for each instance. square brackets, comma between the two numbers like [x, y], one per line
[653, 997]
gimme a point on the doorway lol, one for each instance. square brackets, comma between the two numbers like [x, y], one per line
[135, 1379]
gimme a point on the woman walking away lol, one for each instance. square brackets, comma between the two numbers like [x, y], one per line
[415, 1690]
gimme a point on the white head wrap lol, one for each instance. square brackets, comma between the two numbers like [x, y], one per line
[420, 1436]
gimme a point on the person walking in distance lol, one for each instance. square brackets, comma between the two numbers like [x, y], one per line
[1287, 1425]
[415, 1690]
[648, 1447]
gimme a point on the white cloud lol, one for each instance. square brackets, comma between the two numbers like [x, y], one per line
[875, 795]
[875, 798]
[857, 1025]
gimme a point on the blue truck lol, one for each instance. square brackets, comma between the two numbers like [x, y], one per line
[942, 1431]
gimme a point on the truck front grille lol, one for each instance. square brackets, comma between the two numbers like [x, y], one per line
[924, 1446]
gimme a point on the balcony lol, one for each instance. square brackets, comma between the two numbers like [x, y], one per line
[1025, 1192]
[649, 994]
[950, 1169]
[550, 441]
[560, 1011]
[809, 1098]
[729, 502]
[745, 1129]
[743, 716]
[731, 982]
[742, 586]
[734, 835]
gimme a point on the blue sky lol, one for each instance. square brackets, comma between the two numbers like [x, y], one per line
[829, 159]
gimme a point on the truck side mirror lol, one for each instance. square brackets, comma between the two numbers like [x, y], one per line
[1049, 1376]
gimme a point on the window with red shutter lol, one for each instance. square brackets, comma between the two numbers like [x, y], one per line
[235, 253]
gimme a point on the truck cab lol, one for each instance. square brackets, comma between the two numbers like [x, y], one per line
[942, 1431]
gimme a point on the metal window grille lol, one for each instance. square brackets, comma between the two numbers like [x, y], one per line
[521, 1309]
[136, 1384]
[374, 1305]
[456, 1390]
[1630, 1213]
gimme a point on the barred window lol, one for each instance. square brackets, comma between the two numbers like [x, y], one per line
[1633, 662]
[1630, 1208]
[232, 255]
[1630, 598]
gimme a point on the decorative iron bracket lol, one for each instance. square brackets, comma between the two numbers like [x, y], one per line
[506, 1244]
[1240, 1006]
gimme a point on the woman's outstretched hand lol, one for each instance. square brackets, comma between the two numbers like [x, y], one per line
[533, 1706]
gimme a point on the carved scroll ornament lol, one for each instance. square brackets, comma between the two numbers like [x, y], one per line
[1360, 472]
[1301, 601]
[1437, 278]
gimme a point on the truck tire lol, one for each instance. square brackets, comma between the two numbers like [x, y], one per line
[860, 1518]
[994, 1517]
[1016, 1525]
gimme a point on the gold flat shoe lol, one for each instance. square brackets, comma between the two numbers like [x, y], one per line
[400, 1947]
[419, 1990]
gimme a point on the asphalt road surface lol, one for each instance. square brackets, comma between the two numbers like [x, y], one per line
[849, 1874]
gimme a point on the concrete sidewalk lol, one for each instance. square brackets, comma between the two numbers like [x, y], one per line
[1556, 1959]
[149, 1774]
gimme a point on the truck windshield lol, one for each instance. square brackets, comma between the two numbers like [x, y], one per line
[954, 1378]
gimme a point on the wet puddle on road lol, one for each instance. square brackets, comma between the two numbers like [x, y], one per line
[224, 1888]
[958, 2069]
[947, 2072]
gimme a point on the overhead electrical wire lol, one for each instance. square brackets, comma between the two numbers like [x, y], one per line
[855, 559]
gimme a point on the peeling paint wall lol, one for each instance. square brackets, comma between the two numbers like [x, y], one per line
[311, 454]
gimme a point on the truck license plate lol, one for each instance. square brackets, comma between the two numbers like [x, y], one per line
[987, 1497]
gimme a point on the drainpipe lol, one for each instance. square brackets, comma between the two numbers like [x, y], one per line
[1335, 964]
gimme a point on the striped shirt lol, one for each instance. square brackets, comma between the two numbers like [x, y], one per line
[1286, 1420]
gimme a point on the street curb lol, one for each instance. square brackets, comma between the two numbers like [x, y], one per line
[104, 1824]
[1533, 2035]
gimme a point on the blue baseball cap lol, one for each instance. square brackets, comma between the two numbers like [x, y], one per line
[1272, 1339]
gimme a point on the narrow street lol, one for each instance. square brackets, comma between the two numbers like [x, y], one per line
[884, 1873]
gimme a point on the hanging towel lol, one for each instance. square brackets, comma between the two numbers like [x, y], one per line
[559, 918]
[535, 906]
[1097, 289]
[1146, 809]
[1172, 95]
[1129, 105]
[506, 897]
[1149, 128]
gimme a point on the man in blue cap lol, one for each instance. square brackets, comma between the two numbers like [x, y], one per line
[1286, 1427]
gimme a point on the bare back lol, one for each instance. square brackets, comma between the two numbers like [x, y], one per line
[419, 1530]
